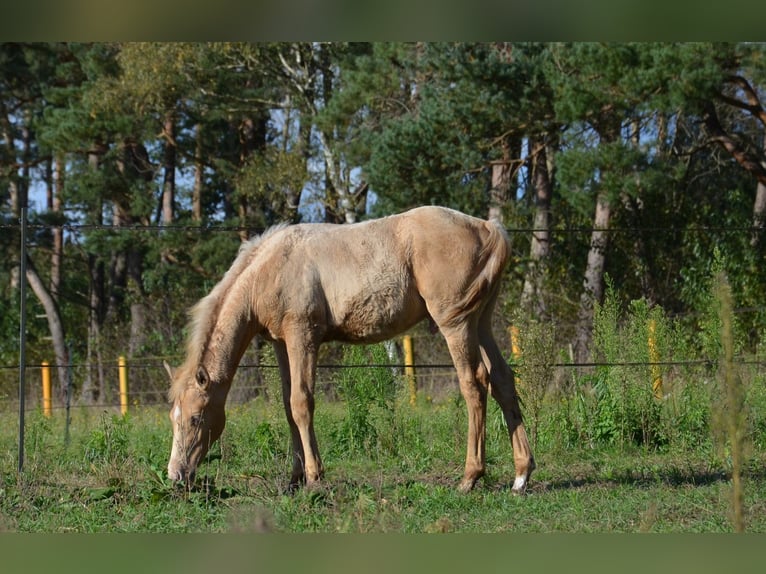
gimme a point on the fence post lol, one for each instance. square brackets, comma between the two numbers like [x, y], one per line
[68, 397]
[513, 332]
[654, 358]
[22, 334]
[123, 369]
[409, 368]
[46, 376]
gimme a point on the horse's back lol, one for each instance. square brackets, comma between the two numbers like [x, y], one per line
[369, 281]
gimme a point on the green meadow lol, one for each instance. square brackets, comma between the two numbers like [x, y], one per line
[391, 468]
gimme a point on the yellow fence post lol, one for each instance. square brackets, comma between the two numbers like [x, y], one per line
[654, 358]
[123, 369]
[513, 332]
[409, 368]
[46, 374]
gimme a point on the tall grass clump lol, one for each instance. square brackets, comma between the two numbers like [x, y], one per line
[263, 425]
[109, 441]
[534, 371]
[368, 395]
[646, 388]
[622, 388]
[730, 415]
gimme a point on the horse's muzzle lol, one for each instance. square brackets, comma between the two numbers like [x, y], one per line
[180, 475]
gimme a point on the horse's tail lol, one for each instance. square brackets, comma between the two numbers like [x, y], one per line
[498, 249]
[493, 257]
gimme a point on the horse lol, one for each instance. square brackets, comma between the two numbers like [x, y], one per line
[301, 285]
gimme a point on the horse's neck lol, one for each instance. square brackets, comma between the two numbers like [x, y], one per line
[232, 332]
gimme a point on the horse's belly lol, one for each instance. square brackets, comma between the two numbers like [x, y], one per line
[376, 317]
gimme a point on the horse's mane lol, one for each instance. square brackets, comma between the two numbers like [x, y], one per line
[203, 314]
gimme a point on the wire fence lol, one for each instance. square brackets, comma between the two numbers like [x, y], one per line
[78, 227]
[431, 379]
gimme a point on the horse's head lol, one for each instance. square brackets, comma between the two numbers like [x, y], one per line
[198, 417]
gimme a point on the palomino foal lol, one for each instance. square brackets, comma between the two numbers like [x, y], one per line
[301, 285]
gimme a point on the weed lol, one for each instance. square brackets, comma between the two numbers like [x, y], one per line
[369, 398]
[730, 412]
[109, 441]
[534, 369]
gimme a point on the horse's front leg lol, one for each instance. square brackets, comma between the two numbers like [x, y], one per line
[298, 397]
[296, 477]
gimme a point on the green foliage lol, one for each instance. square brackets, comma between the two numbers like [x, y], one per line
[9, 330]
[731, 413]
[627, 412]
[267, 179]
[533, 370]
[108, 443]
[614, 405]
[438, 146]
[369, 397]
[630, 398]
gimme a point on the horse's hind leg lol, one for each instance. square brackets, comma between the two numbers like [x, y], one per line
[474, 382]
[503, 390]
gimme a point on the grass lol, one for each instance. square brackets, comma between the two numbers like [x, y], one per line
[110, 478]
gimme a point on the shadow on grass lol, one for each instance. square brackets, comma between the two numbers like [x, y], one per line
[635, 480]
[644, 478]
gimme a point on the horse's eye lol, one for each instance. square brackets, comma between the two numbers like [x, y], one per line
[196, 420]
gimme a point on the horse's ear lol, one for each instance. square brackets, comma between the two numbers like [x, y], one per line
[169, 369]
[203, 379]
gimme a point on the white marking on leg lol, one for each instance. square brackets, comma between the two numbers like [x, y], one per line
[519, 484]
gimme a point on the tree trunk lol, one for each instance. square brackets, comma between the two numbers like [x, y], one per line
[199, 179]
[633, 209]
[58, 233]
[759, 207]
[169, 175]
[55, 325]
[340, 207]
[118, 269]
[18, 184]
[502, 177]
[94, 379]
[136, 168]
[292, 196]
[753, 162]
[252, 139]
[310, 72]
[137, 298]
[594, 274]
[532, 294]
[759, 212]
